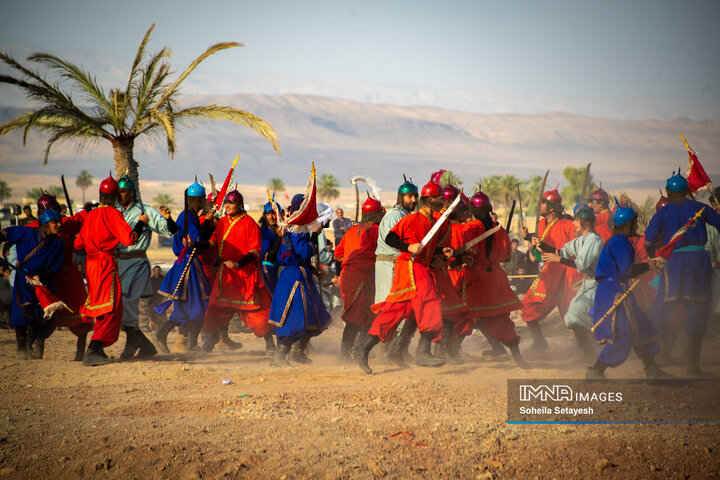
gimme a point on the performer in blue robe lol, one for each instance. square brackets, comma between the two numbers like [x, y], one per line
[686, 280]
[297, 310]
[186, 286]
[270, 246]
[627, 326]
[40, 253]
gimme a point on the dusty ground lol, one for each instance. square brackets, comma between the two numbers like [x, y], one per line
[173, 418]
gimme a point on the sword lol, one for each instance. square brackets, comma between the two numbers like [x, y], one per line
[67, 197]
[522, 220]
[540, 198]
[477, 240]
[509, 222]
[586, 181]
[433, 231]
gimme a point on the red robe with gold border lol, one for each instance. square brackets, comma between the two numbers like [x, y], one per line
[356, 251]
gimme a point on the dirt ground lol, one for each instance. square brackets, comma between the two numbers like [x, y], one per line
[172, 417]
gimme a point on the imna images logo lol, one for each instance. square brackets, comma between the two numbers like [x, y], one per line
[544, 393]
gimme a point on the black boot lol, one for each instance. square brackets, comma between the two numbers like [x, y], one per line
[496, 350]
[423, 357]
[454, 355]
[37, 347]
[652, 371]
[209, 341]
[361, 352]
[694, 345]
[270, 347]
[443, 345]
[539, 343]
[348, 340]
[193, 334]
[297, 354]
[94, 355]
[159, 336]
[22, 342]
[225, 338]
[597, 371]
[80, 348]
[666, 345]
[400, 344]
[586, 345]
[517, 356]
[279, 359]
[147, 349]
[132, 343]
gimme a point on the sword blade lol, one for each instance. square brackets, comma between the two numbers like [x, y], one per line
[443, 218]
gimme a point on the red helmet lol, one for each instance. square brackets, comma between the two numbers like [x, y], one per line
[234, 197]
[431, 189]
[372, 205]
[480, 200]
[450, 192]
[599, 194]
[47, 201]
[552, 196]
[662, 202]
[109, 185]
[210, 197]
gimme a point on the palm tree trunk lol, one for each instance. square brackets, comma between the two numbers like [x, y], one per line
[124, 159]
[83, 190]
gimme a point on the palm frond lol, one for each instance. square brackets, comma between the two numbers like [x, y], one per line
[87, 84]
[138, 59]
[148, 89]
[221, 112]
[213, 49]
[77, 132]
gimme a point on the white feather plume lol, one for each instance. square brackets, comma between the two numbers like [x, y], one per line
[370, 183]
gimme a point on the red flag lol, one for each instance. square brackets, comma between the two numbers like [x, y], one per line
[666, 250]
[221, 194]
[47, 300]
[307, 213]
[696, 176]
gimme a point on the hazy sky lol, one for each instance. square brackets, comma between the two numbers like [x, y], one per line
[614, 50]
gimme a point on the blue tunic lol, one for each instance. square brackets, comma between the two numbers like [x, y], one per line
[189, 297]
[270, 266]
[297, 308]
[627, 326]
[687, 275]
[47, 260]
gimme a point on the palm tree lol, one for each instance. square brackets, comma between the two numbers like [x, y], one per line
[531, 192]
[148, 106]
[327, 188]
[507, 188]
[162, 199]
[489, 185]
[84, 180]
[276, 185]
[449, 178]
[575, 177]
[5, 191]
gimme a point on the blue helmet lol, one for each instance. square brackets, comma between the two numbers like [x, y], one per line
[196, 190]
[623, 214]
[49, 215]
[407, 187]
[580, 206]
[676, 183]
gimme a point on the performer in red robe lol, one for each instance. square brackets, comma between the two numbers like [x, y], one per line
[487, 288]
[238, 286]
[101, 232]
[413, 293]
[599, 201]
[552, 288]
[355, 267]
[457, 323]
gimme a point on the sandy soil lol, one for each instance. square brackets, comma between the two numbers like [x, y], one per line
[172, 417]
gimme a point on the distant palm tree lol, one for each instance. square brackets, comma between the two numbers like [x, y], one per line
[490, 186]
[162, 199]
[276, 185]
[327, 187]
[148, 106]
[531, 193]
[450, 178]
[508, 188]
[84, 180]
[54, 190]
[5, 191]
